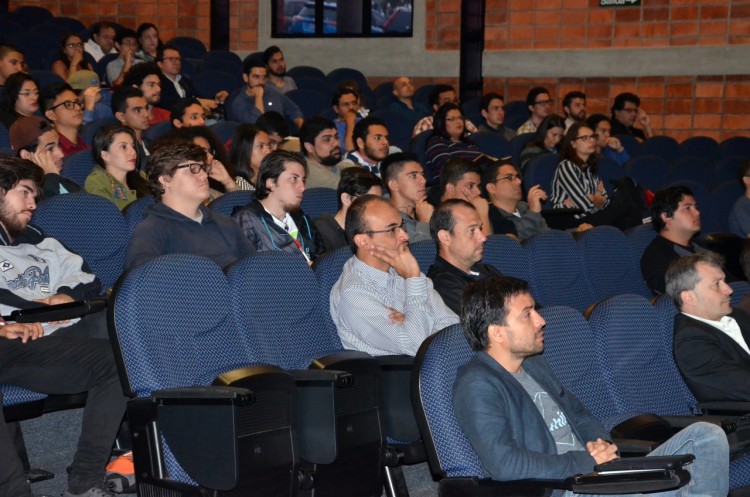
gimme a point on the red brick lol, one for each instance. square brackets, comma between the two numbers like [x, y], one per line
[656, 14]
[708, 106]
[713, 27]
[546, 33]
[685, 13]
[600, 31]
[547, 17]
[680, 121]
[628, 15]
[601, 16]
[625, 31]
[707, 121]
[655, 30]
[735, 121]
[682, 106]
[446, 6]
[680, 90]
[524, 17]
[712, 40]
[736, 107]
[737, 90]
[714, 12]
[599, 43]
[518, 33]
[740, 11]
[684, 29]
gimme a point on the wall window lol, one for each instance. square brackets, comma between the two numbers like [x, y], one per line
[341, 18]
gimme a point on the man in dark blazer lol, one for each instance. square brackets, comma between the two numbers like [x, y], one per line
[710, 338]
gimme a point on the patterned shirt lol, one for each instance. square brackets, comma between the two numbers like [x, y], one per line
[527, 127]
[573, 182]
[426, 123]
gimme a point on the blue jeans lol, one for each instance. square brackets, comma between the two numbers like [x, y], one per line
[709, 473]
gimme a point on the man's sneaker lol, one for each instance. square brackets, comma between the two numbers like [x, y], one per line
[92, 492]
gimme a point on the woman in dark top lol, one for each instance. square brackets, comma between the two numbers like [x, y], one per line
[250, 145]
[354, 183]
[448, 141]
[21, 98]
[71, 57]
[546, 139]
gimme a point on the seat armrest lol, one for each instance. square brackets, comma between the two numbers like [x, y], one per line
[395, 362]
[203, 395]
[634, 446]
[59, 312]
[316, 377]
[654, 463]
[737, 408]
[329, 361]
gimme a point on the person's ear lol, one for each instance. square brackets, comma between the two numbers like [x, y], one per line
[361, 240]
[25, 154]
[445, 237]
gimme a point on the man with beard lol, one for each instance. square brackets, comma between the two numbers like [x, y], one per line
[131, 109]
[147, 78]
[273, 58]
[382, 304]
[523, 423]
[319, 141]
[36, 140]
[274, 220]
[67, 357]
[371, 144]
[259, 98]
[179, 222]
[404, 179]
[574, 107]
[456, 229]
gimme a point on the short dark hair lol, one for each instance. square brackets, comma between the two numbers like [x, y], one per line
[13, 85]
[120, 98]
[535, 92]
[489, 173]
[6, 48]
[269, 52]
[594, 119]
[355, 223]
[139, 72]
[15, 169]
[164, 159]
[167, 46]
[190, 133]
[241, 151]
[455, 169]
[394, 164]
[743, 171]
[272, 122]
[271, 168]
[434, 97]
[682, 274]
[567, 152]
[442, 218]
[549, 122]
[125, 33]
[340, 92]
[145, 26]
[50, 92]
[666, 202]
[622, 99]
[250, 62]
[362, 128]
[568, 98]
[484, 104]
[101, 25]
[484, 303]
[356, 182]
[179, 108]
[311, 128]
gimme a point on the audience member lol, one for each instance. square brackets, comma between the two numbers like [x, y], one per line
[546, 139]
[403, 178]
[523, 423]
[744, 304]
[322, 150]
[492, 108]
[354, 183]
[187, 112]
[382, 304]
[62, 358]
[606, 144]
[126, 43]
[131, 110]
[626, 112]
[71, 57]
[371, 144]
[148, 40]
[62, 108]
[21, 98]
[540, 106]
[675, 216]
[508, 213]
[273, 58]
[147, 77]
[11, 62]
[403, 90]
[439, 96]
[456, 229]
[449, 140]
[274, 220]
[116, 176]
[102, 41]
[34, 139]
[250, 145]
[462, 179]
[279, 135]
[257, 98]
[739, 217]
[574, 107]
[179, 222]
[346, 104]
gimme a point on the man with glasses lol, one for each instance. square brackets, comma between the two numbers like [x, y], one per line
[175, 85]
[179, 222]
[382, 304]
[102, 41]
[62, 107]
[626, 112]
[34, 139]
[540, 106]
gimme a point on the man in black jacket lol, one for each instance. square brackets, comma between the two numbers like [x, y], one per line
[710, 338]
[457, 231]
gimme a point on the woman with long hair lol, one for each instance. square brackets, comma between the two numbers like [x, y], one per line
[116, 176]
[546, 139]
[250, 145]
[21, 98]
[71, 57]
[448, 141]
[148, 39]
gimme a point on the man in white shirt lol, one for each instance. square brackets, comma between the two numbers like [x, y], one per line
[102, 41]
[710, 338]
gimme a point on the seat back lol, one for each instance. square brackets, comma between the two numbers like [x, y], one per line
[449, 453]
[78, 166]
[639, 237]
[310, 102]
[609, 172]
[556, 272]
[636, 370]
[517, 144]
[740, 289]
[400, 126]
[665, 147]
[92, 227]
[189, 47]
[211, 81]
[224, 129]
[134, 212]
[492, 144]
[418, 145]
[338, 76]
[328, 269]
[540, 171]
[317, 201]
[507, 255]
[424, 252]
[227, 203]
[701, 146]
[728, 168]
[650, 171]
[306, 72]
[631, 144]
[611, 268]
[694, 169]
[736, 145]
[723, 197]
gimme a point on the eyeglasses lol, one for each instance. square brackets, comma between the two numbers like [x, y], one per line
[195, 167]
[544, 102]
[630, 110]
[129, 43]
[74, 45]
[28, 93]
[508, 177]
[172, 59]
[453, 119]
[69, 105]
[390, 231]
[587, 137]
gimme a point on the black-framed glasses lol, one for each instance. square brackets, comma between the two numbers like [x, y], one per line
[587, 137]
[68, 104]
[195, 167]
[544, 102]
[390, 231]
[508, 177]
